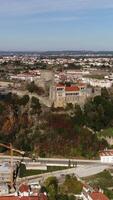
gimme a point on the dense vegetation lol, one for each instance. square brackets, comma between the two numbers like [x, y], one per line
[64, 191]
[71, 185]
[108, 132]
[32, 87]
[70, 132]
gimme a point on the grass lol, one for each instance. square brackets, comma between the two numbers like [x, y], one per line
[36, 172]
[106, 132]
[103, 180]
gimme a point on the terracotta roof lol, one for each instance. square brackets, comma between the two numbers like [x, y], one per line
[72, 88]
[108, 152]
[60, 85]
[98, 196]
[18, 198]
[81, 84]
[42, 197]
[24, 188]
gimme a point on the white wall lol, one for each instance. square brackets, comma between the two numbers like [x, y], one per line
[106, 159]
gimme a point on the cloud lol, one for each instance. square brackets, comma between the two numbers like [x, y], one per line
[29, 7]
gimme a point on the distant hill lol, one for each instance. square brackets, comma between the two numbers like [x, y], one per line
[58, 53]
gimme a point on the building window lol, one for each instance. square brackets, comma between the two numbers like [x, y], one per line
[59, 89]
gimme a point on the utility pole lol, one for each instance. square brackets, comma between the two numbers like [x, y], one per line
[10, 147]
[11, 172]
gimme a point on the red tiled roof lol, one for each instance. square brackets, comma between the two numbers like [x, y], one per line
[18, 198]
[72, 88]
[82, 84]
[24, 188]
[108, 152]
[60, 85]
[98, 196]
[42, 197]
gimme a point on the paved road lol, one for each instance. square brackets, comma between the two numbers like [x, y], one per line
[88, 170]
[72, 162]
[55, 161]
[79, 172]
[82, 168]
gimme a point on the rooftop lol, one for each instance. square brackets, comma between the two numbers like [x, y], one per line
[18, 197]
[41, 197]
[60, 85]
[71, 88]
[98, 196]
[108, 152]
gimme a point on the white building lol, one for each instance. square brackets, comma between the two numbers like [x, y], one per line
[4, 189]
[98, 83]
[106, 156]
[24, 77]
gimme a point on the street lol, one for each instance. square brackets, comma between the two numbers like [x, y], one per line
[79, 172]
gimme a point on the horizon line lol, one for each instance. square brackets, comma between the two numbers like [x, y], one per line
[56, 51]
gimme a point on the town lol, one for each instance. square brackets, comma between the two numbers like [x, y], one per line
[47, 101]
[56, 100]
[60, 81]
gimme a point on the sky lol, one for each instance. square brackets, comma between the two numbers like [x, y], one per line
[41, 25]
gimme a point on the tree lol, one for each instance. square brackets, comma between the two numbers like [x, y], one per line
[6, 98]
[22, 170]
[36, 106]
[71, 185]
[23, 140]
[108, 193]
[104, 93]
[52, 181]
[62, 197]
[24, 100]
[31, 87]
[65, 197]
[72, 197]
[2, 108]
[43, 189]
[51, 184]
[12, 99]
[69, 106]
[78, 116]
[98, 112]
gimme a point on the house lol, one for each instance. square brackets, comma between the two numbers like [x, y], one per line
[97, 83]
[106, 156]
[89, 193]
[97, 196]
[25, 192]
[43, 197]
